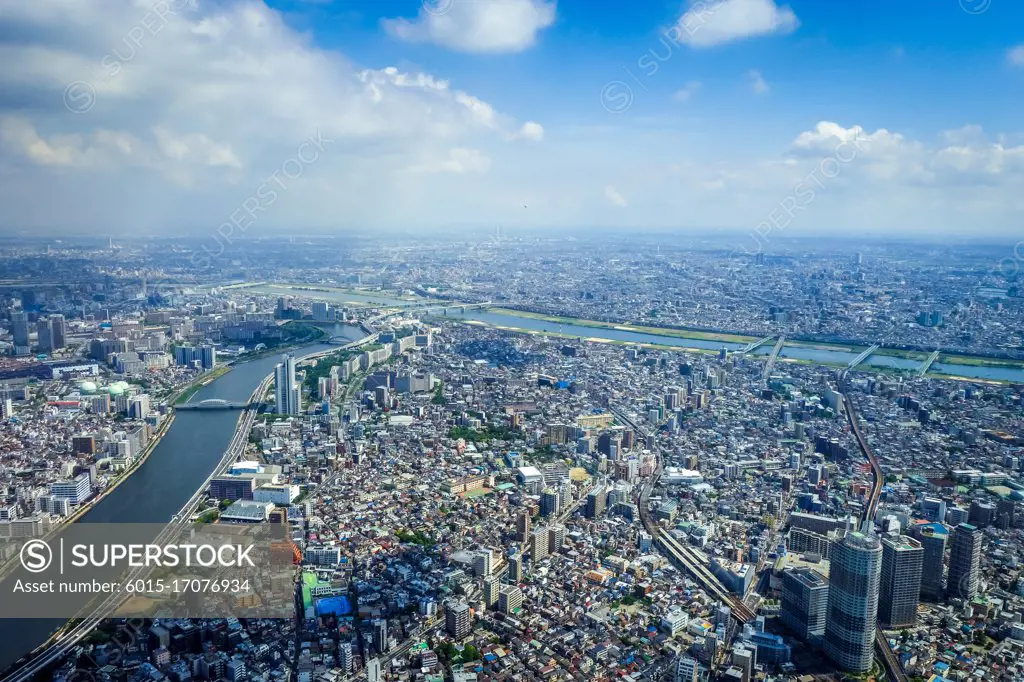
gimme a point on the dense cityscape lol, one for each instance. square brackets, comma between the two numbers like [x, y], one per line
[469, 496]
[511, 341]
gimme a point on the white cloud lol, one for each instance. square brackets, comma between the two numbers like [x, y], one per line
[614, 198]
[176, 124]
[685, 93]
[477, 25]
[222, 97]
[459, 160]
[706, 24]
[531, 130]
[1015, 56]
[757, 83]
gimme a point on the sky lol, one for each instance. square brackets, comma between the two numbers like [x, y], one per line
[268, 117]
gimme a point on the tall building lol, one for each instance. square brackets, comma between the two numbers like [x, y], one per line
[321, 311]
[208, 356]
[550, 502]
[556, 538]
[856, 569]
[58, 332]
[596, 500]
[523, 526]
[483, 562]
[491, 586]
[287, 394]
[515, 568]
[19, 330]
[539, 544]
[457, 620]
[45, 338]
[345, 656]
[805, 603]
[933, 537]
[900, 590]
[380, 635]
[964, 561]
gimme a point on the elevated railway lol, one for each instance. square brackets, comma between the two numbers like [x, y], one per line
[893, 669]
[682, 556]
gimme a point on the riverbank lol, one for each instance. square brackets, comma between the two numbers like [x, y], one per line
[895, 362]
[186, 450]
[743, 339]
[185, 395]
[653, 331]
[190, 389]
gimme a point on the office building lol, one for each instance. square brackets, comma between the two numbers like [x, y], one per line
[805, 603]
[380, 635]
[58, 332]
[964, 561]
[74, 491]
[675, 621]
[287, 394]
[933, 509]
[232, 488]
[933, 538]
[596, 501]
[549, 502]
[19, 330]
[44, 338]
[855, 573]
[900, 589]
[744, 657]
[482, 562]
[457, 620]
[981, 514]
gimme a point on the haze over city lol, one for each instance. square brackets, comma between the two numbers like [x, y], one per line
[511, 340]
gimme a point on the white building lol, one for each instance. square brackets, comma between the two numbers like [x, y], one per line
[281, 495]
[287, 395]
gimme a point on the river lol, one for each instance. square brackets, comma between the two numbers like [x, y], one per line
[829, 356]
[189, 451]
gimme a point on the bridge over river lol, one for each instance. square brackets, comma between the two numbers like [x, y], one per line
[217, 404]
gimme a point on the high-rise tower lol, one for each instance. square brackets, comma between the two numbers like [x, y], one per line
[964, 561]
[853, 601]
[286, 393]
[900, 592]
[933, 538]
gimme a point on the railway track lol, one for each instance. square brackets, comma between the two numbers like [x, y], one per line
[684, 557]
[892, 665]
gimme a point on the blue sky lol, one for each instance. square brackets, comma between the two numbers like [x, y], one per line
[919, 65]
[454, 113]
